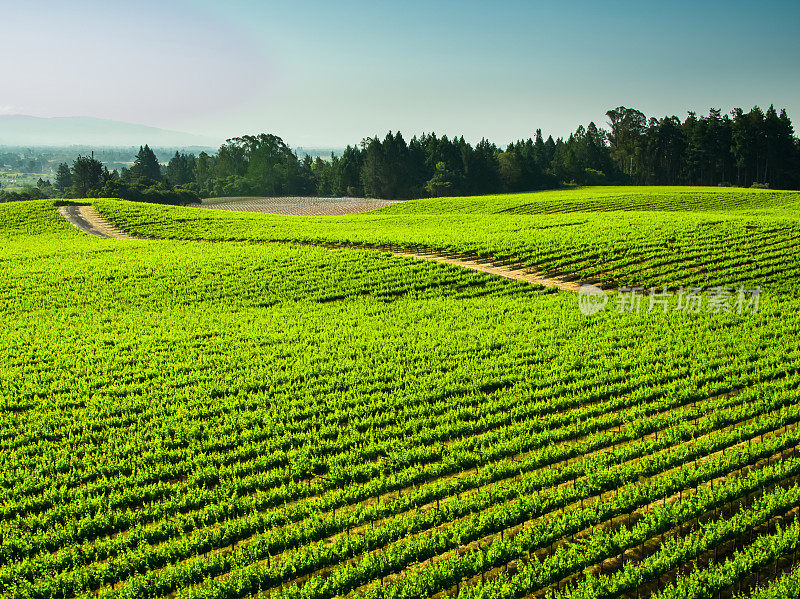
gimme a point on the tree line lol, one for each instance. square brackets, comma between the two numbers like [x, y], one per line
[754, 148]
[743, 148]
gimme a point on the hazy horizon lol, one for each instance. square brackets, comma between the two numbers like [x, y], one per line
[332, 74]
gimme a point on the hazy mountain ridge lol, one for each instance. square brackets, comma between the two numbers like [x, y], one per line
[23, 130]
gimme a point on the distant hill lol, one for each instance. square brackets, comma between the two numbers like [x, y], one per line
[318, 152]
[20, 130]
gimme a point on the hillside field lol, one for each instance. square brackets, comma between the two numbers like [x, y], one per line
[244, 405]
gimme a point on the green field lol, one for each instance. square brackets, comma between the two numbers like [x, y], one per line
[687, 236]
[212, 413]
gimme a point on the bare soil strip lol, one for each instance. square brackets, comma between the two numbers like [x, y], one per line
[89, 220]
[297, 206]
[493, 269]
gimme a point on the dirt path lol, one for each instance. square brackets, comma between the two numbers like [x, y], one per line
[89, 220]
[490, 268]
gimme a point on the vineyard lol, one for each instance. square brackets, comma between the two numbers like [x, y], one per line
[742, 237]
[259, 416]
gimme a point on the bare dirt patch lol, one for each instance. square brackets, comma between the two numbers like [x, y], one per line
[493, 269]
[297, 206]
[90, 221]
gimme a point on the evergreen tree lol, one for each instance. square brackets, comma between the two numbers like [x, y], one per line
[348, 180]
[146, 165]
[788, 169]
[540, 151]
[180, 169]
[666, 148]
[550, 149]
[443, 182]
[322, 172]
[63, 177]
[307, 182]
[87, 176]
[510, 167]
[394, 175]
[372, 168]
[484, 172]
[417, 172]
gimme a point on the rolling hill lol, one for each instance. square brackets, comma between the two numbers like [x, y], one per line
[16, 130]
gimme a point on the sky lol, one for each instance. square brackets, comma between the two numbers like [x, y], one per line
[327, 74]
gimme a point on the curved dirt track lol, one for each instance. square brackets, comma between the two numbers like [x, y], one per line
[89, 220]
[490, 268]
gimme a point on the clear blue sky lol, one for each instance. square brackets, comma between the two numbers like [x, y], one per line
[330, 73]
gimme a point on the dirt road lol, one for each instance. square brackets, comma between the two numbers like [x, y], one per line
[90, 221]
